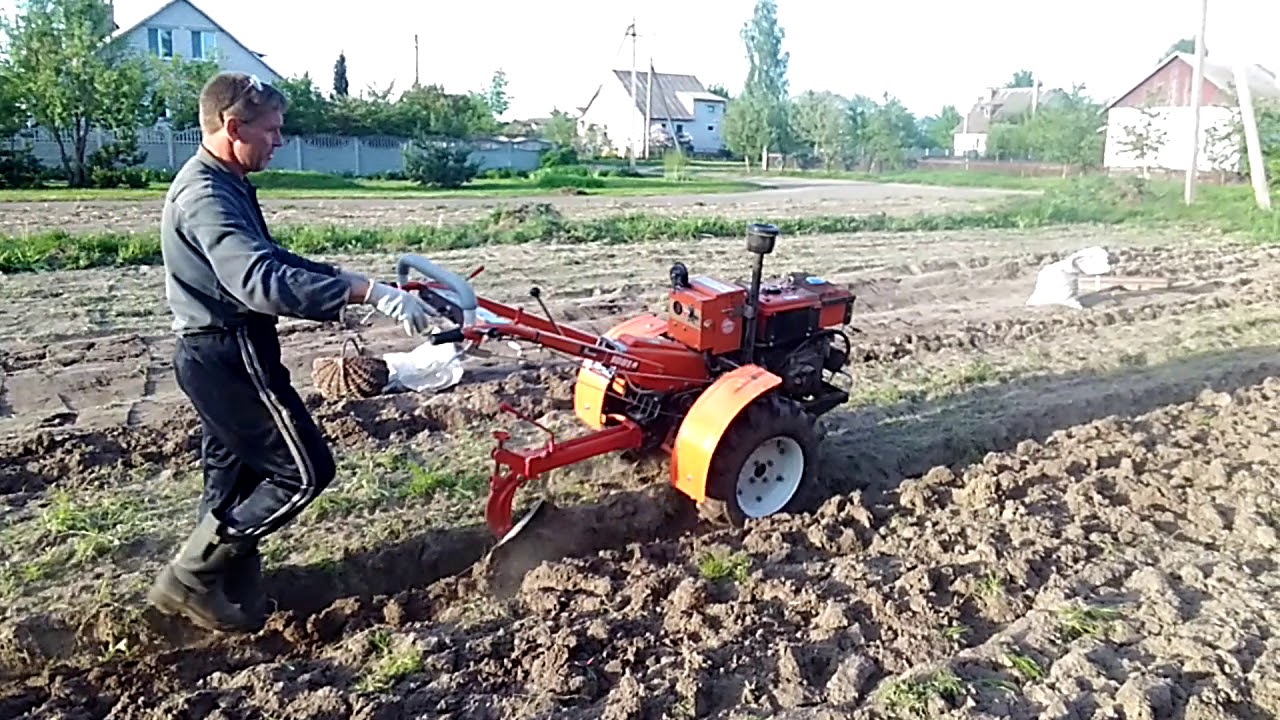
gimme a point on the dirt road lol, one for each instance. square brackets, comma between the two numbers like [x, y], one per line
[1038, 513]
[788, 196]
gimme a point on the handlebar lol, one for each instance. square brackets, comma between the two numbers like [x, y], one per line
[447, 336]
[467, 302]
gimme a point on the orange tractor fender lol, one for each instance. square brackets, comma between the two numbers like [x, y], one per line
[706, 422]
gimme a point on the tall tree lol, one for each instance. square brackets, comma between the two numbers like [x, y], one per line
[72, 78]
[765, 91]
[340, 84]
[496, 95]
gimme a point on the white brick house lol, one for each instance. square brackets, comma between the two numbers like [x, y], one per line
[179, 28]
[680, 105]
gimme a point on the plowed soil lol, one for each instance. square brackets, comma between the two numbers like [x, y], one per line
[1035, 512]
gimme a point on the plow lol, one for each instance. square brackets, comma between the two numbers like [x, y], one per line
[728, 382]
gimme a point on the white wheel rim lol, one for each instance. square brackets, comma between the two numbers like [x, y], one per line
[770, 476]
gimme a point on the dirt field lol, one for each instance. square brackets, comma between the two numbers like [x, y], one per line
[1041, 513]
[789, 197]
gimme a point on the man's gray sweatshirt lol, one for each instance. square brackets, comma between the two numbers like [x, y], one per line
[222, 267]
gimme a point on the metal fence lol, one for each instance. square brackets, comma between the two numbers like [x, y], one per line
[357, 156]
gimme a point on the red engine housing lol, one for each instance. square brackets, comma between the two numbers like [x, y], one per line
[707, 316]
[798, 307]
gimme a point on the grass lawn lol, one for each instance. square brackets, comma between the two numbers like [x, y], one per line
[295, 185]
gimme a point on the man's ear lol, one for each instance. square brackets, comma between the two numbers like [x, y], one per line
[232, 127]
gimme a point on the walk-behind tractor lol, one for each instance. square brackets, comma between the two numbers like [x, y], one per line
[729, 383]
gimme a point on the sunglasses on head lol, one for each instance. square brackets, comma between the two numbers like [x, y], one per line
[253, 84]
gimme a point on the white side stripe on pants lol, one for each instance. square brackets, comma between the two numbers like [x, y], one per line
[287, 431]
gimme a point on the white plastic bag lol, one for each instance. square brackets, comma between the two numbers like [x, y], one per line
[427, 368]
[1058, 283]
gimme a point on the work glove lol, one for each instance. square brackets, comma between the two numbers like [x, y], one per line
[403, 307]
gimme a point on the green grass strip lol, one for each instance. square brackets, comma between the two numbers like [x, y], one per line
[1090, 201]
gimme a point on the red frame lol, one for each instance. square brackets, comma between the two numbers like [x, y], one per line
[522, 466]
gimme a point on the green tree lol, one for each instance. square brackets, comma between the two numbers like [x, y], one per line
[496, 94]
[72, 78]
[718, 89]
[936, 131]
[820, 123]
[561, 130]
[765, 90]
[175, 85]
[1069, 131]
[1185, 45]
[1010, 139]
[746, 129]
[858, 119]
[427, 110]
[12, 114]
[1021, 79]
[1145, 138]
[340, 84]
[890, 130]
[310, 112]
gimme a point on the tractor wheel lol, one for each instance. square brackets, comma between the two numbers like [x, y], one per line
[766, 463]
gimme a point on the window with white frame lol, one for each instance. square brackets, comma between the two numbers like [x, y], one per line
[203, 44]
[160, 42]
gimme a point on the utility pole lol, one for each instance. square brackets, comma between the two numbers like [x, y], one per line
[634, 94]
[648, 111]
[415, 60]
[1257, 171]
[1197, 98]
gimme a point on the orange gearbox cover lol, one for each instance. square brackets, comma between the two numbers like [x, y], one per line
[591, 388]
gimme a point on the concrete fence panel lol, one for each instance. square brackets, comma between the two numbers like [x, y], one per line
[337, 154]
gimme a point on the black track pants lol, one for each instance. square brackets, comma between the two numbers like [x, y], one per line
[264, 458]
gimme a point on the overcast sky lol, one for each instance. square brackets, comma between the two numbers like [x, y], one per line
[556, 52]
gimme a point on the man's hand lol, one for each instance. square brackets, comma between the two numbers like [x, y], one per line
[399, 305]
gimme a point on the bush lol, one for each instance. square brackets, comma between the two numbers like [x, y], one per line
[503, 174]
[118, 164]
[439, 166]
[130, 177]
[566, 177]
[559, 157]
[20, 168]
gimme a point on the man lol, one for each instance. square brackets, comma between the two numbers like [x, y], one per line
[227, 282]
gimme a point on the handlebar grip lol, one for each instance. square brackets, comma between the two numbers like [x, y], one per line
[447, 336]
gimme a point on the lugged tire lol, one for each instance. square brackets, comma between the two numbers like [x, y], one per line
[769, 416]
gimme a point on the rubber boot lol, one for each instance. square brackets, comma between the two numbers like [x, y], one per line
[193, 584]
[244, 582]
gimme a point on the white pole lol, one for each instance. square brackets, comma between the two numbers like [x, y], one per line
[1257, 172]
[633, 91]
[1197, 96]
[648, 110]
